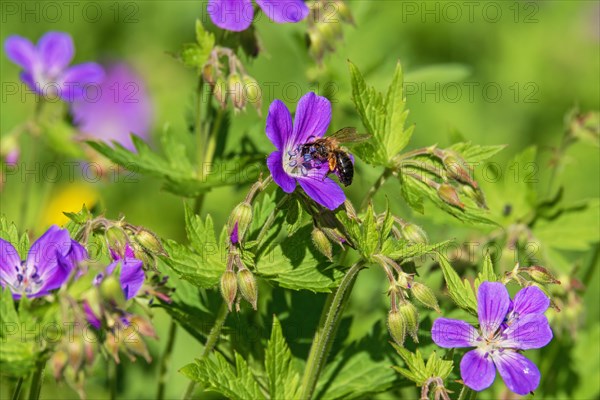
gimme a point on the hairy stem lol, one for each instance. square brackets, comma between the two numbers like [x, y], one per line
[211, 342]
[380, 181]
[164, 362]
[36, 381]
[270, 219]
[328, 325]
[17, 391]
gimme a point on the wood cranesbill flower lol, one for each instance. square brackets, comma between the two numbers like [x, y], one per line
[121, 108]
[287, 164]
[505, 329]
[131, 277]
[237, 15]
[49, 263]
[46, 66]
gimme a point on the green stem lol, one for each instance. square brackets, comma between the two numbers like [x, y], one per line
[211, 342]
[212, 138]
[465, 393]
[17, 391]
[380, 181]
[112, 379]
[270, 220]
[328, 325]
[37, 380]
[164, 363]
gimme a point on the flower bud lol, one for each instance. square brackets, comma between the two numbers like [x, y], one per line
[220, 91]
[247, 285]
[414, 234]
[242, 216]
[321, 242]
[344, 11]
[229, 287]
[317, 45]
[117, 240]
[541, 275]
[150, 242]
[135, 344]
[58, 362]
[410, 316]
[335, 235]
[143, 326]
[75, 351]
[448, 194]
[456, 170]
[396, 327]
[236, 91]
[252, 92]
[9, 149]
[474, 194]
[110, 288]
[425, 295]
[111, 343]
[208, 73]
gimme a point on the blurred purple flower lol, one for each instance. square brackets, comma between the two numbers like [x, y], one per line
[45, 66]
[506, 327]
[132, 274]
[237, 15]
[287, 164]
[122, 107]
[50, 261]
[234, 236]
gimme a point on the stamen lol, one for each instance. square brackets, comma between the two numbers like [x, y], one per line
[304, 170]
[293, 163]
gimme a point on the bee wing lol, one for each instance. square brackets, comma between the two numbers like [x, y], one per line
[349, 135]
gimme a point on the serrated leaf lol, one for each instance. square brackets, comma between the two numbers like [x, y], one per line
[283, 378]
[418, 371]
[369, 239]
[8, 314]
[294, 216]
[10, 233]
[487, 274]
[217, 375]
[460, 291]
[17, 357]
[294, 264]
[474, 153]
[383, 117]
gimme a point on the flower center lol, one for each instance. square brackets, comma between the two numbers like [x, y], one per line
[298, 162]
[493, 343]
[26, 282]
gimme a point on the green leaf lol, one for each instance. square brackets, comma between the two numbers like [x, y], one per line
[460, 291]
[487, 274]
[294, 215]
[418, 371]
[17, 357]
[473, 153]
[8, 314]
[369, 239]
[195, 55]
[283, 378]
[383, 117]
[217, 375]
[203, 262]
[295, 264]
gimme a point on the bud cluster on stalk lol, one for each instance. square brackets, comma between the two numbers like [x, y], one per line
[325, 26]
[230, 82]
[238, 282]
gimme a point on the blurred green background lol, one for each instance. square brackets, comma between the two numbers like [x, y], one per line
[497, 72]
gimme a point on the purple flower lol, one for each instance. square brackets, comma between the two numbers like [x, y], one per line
[50, 261]
[132, 274]
[234, 236]
[45, 66]
[237, 15]
[506, 328]
[121, 107]
[287, 164]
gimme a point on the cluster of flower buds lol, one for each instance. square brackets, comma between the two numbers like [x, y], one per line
[403, 317]
[126, 334]
[410, 232]
[146, 245]
[568, 313]
[325, 26]
[230, 81]
[237, 275]
[439, 390]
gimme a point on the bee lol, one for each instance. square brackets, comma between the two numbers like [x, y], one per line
[327, 149]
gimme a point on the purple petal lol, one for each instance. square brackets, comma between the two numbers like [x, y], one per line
[234, 236]
[43, 254]
[77, 253]
[56, 52]
[477, 370]
[20, 51]
[74, 81]
[55, 277]
[530, 300]
[492, 305]
[284, 10]
[451, 333]
[274, 163]
[313, 116]
[519, 373]
[325, 192]
[9, 262]
[91, 317]
[28, 79]
[232, 15]
[530, 332]
[132, 277]
[279, 124]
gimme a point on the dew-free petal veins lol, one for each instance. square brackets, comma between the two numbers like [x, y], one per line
[281, 178]
[519, 374]
[232, 15]
[132, 277]
[20, 51]
[477, 370]
[326, 192]
[56, 51]
[450, 333]
[312, 119]
[279, 124]
[529, 332]
[530, 300]
[283, 11]
[492, 305]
